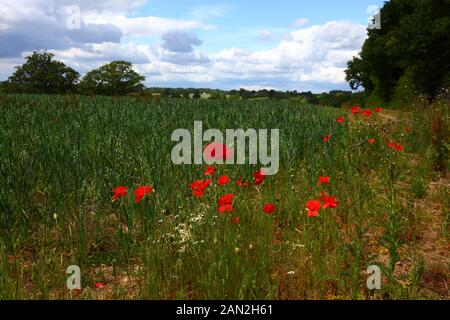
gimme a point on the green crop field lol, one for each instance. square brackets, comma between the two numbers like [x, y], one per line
[62, 156]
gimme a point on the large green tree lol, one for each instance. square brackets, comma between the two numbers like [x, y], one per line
[411, 50]
[117, 77]
[42, 74]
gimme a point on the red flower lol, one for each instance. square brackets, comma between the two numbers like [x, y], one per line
[324, 180]
[269, 208]
[235, 220]
[371, 140]
[399, 147]
[226, 208]
[378, 109]
[226, 199]
[223, 180]
[330, 202]
[326, 138]
[140, 192]
[340, 120]
[99, 285]
[367, 113]
[355, 110]
[199, 186]
[209, 170]
[120, 191]
[259, 177]
[313, 207]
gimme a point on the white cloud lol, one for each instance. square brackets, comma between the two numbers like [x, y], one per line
[299, 23]
[264, 35]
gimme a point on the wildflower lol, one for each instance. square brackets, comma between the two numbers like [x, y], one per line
[326, 138]
[340, 120]
[120, 191]
[223, 180]
[99, 285]
[217, 151]
[367, 113]
[378, 109]
[330, 201]
[371, 140]
[140, 192]
[209, 170]
[269, 208]
[313, 207]
[355, 110]
[259, 177]
[226, 208]
[225, 203]
[198, 187]
[324, 180]
[240, 183]
[399, 147]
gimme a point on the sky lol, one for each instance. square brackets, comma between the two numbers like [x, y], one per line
[301, 45]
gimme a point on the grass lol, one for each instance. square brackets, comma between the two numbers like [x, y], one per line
[61, 156]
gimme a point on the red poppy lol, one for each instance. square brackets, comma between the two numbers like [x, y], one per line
[340, 120]
[240, 182]
[235, 220]
[226, 208]
[324, 180]
[378, 109]
[269, 208]
[99, 285]
[199, 186]
[326, 138]
[223, 180]
[259, 177]
[226, 199]
[217, 151]
[399, 147]
[140, 192]
[355, 110]
[371, 140]
[209, 170]
[367, 113]
[330, 201]
[120, 191]
[313, 207]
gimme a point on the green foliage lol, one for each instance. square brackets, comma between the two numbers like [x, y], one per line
[414, 38]
[42, 74]
[115, 78]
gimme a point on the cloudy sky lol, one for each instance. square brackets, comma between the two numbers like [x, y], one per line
[285, 44]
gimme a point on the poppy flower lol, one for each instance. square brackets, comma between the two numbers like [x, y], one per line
[198, 187]
[378, 109]
[269, 208]
[223, 180]
[226, 199]
[399, 147]
[209, 170]
[324, 180]
[371, 140]
[235, 220]
[120, 191]
[326, 138]
[140, 192]
[259, 177]
[355, 110]
[99, 285]
[226, 208]
[330, 202]
[313, 207]
[217, 151]
[340, 120]
[367, 113]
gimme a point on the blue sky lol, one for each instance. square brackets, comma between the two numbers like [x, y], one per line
[285, 44]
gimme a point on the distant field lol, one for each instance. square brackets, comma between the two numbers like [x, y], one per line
[61, 157]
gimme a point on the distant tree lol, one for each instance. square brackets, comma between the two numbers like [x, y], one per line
[42, 74]
[117, 77]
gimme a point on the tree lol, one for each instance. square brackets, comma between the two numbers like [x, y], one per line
[415, 39]
[42, 74]
[117, 77]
